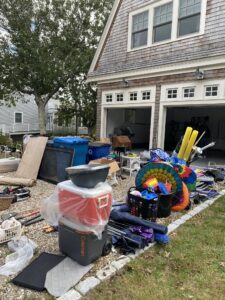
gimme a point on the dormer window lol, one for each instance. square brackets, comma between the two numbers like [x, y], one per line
[140, 30]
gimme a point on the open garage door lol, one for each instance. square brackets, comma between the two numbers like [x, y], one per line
[210, 119]
[137, 121]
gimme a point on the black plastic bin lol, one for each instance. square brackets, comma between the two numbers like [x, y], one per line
[150, 210]
[54, 164]
[83, 247]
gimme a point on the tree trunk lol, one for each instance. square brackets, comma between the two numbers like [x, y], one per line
[41, 116]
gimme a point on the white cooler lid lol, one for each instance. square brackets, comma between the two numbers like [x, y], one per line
[101, 188]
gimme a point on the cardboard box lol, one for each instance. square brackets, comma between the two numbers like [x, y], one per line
[113, 165]
[121, 141]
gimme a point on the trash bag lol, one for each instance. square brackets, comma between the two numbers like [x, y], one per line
[23, 251]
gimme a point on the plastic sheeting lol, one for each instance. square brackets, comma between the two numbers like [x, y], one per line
[23, 251]
[82, 209]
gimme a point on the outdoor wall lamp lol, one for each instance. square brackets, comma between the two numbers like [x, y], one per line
[126, 82]
[199, 75]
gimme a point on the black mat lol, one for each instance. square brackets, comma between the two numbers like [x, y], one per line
[33, 276]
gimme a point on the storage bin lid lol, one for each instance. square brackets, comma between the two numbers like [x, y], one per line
[101, 188]
[70, 140]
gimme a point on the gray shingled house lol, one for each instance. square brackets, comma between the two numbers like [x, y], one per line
[160, 66]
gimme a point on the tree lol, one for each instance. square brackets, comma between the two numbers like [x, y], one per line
[47, 45]
[78, 100]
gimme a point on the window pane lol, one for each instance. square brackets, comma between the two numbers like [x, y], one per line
[162, 32]
[163, 14]
[189, 25]
[189, 7]
[18, 118]
[139, 39]
[140, 21]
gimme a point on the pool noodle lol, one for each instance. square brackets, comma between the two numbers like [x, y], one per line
[185, 142]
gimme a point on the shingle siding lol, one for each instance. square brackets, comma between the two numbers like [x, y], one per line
[115, 58]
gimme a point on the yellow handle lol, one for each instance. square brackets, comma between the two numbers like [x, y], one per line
[190, 145]
[185, 142]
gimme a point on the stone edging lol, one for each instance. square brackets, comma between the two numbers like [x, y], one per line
[89, 283]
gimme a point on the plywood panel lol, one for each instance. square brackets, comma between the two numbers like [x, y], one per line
[32, 157]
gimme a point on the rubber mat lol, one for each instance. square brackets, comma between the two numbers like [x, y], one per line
[33, 276]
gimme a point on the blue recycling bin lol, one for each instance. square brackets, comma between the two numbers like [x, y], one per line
[79, 145]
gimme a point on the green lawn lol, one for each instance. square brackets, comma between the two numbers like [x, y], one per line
[191, 267]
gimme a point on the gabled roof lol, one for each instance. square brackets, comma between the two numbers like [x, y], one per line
[105, 35]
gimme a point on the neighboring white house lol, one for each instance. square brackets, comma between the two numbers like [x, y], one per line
[19, 119]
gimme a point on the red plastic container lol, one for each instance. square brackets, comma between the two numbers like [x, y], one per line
[85, 206]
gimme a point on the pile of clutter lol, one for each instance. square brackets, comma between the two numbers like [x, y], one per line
[90, 223]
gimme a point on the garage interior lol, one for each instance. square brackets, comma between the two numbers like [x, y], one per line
[209, 119]
[134, 122]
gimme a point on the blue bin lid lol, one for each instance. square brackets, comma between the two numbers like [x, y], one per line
[70, 140]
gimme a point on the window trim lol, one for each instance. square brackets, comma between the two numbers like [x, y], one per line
[188, 87]
[18, 112]
[211, 86]
[146, 91]
[119, 94]
[172, 89]
[174, 31]
[106, 95]
[133, 92]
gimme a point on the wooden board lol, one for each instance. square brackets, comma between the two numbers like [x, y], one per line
[32, 157]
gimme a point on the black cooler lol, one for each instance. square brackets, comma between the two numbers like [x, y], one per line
[83, 247]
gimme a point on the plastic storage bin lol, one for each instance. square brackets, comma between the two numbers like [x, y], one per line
[79, 145]
[89, 207]
[54, 164]
[148, 209]
[98, 150]
[82, 247]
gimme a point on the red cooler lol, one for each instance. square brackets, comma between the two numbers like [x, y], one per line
[89, 207]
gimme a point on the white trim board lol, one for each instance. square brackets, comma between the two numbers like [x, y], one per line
[210, 63]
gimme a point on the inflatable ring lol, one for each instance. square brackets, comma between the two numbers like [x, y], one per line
[185, 200]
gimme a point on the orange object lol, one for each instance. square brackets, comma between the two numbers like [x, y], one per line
[168, 186]
[185, 200]
[150, 183]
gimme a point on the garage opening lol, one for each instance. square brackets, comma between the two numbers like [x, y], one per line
[135, 122]
[209, 119]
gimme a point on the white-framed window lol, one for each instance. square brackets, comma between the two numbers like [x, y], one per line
[139, 30]
[172, 93]
[146, 95]
[189, 16]
[108, 98]
[133, 96]
[18, 118]
[211, 91]
[119, 97]
[189, 92]
[162, 22]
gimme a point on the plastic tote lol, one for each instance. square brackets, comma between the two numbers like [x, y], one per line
[98, 150]
[79, 145]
